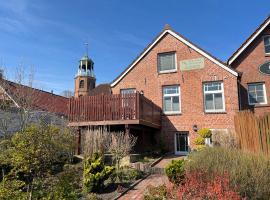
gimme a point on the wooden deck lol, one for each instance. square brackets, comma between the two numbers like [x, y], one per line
[115, 109]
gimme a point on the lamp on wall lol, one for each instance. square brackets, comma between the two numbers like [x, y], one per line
[195, 128]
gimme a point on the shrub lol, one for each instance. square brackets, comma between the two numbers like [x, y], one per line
[198, 186]
[176, 171]
[199, 141]
[247, 172]
[225, 138]
[127, 175]
[205, 133]
[95, 173]
[65, 188]
[155, 193]
[12, 189]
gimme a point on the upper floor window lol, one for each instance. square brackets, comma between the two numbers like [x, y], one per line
[171, 99]
[81, 84]
[266, 40]
[256, 93]
[167, 62]
[128, 91]
[214, 97]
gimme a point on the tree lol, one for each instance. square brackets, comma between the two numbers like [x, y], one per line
[120, 144]
[67, 93]
[32, 152]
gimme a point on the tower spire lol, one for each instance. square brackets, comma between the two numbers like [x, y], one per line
[86, 48]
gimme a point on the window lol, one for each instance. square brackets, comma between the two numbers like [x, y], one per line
[128, 91]
[171, 99]
[214, 97]
[266, 40]
[166, 62]
[81, 84]
[181, 143]
[256, 93]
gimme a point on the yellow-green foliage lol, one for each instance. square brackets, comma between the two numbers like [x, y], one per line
[205, 132]
[95, 173]
[199, 141]
[176, 171]
[31, 153]
[11, 190]
[249, 173]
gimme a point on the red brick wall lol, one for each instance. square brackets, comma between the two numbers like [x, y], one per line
[144, 76]
[248, 63]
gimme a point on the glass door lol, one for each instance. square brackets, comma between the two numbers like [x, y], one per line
[181, 143]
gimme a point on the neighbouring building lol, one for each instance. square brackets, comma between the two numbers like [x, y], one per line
[37, 104]
[252, 60]
[172, 89]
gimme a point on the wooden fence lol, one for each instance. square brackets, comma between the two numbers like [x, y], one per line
[253, 132]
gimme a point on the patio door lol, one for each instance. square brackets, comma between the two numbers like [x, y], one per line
[181, 143]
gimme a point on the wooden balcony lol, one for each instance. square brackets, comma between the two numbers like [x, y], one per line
[115, 109]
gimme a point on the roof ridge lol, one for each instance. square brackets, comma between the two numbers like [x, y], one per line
[231, 58]
[179, 37]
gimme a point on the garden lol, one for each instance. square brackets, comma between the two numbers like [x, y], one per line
[38, 163]
[220, 172]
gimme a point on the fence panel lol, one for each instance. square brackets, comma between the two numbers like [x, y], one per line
[253, 132]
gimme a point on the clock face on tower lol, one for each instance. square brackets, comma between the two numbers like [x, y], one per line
[265, 68]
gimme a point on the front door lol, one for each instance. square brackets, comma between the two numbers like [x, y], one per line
[181, 143]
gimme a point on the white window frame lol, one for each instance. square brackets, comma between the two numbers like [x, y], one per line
[122, 91]
[171, 95]
[214, 92]
[183, 153]
[264, 94]
[167, 71]
[267, 53]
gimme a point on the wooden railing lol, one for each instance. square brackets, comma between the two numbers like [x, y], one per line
[115, 107]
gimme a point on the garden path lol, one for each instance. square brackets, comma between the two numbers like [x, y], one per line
[155, 180]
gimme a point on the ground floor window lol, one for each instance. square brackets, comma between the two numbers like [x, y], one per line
[181, 142]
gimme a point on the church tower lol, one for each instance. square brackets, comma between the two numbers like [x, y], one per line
[85, 79]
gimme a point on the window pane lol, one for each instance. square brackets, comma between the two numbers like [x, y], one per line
[251, 88]
[256, 93]
[167, 104]
[252, 99]
[212, 86]
[171, 90]
[218, 101]
[128, 91]
[266, 40]
[166, 61]
[175, 103]
[209, 102]
[259, 87]
[267, 49]
[260, 99]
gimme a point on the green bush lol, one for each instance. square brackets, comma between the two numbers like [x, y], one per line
[66, 187]
[129, 174]
[199, 141]
[95, 173]
[205, 133]
[249, 173]
[12, 190]
[176, 171]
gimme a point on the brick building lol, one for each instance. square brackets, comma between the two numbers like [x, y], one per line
[194, 89]
[191, 88]
[252, 60]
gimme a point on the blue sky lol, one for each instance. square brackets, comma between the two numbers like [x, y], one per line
[49, 36]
